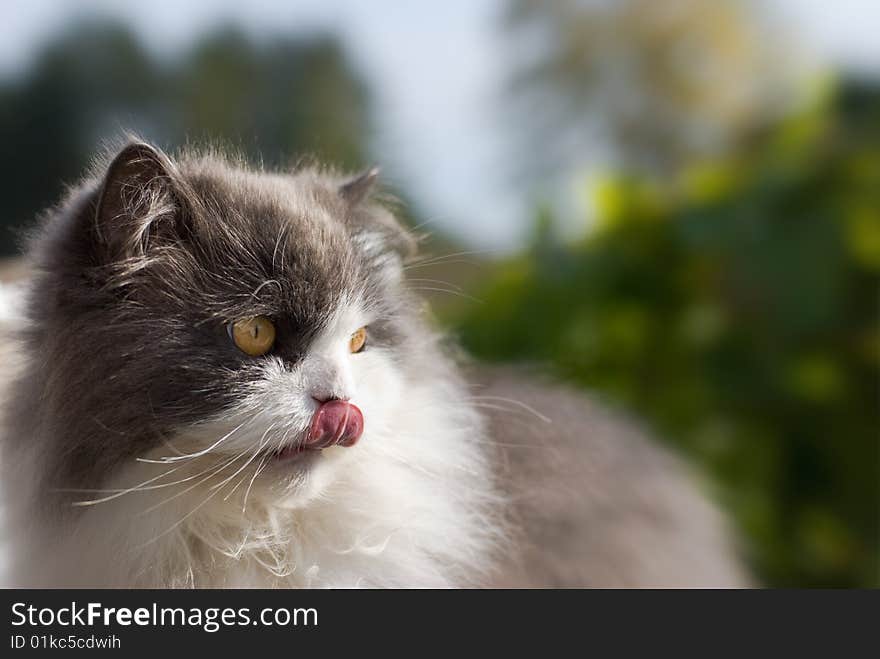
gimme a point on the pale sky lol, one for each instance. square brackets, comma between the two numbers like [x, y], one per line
[436, 71]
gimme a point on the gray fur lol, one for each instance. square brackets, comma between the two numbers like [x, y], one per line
[137, 273]
[593, 502]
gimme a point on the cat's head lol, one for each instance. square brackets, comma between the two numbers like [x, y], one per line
[193, 311]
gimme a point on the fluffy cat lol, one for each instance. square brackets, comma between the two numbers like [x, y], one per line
[220, 378]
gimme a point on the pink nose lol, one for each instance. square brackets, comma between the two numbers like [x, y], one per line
[337, 422]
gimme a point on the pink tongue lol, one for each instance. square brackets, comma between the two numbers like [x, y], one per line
[335, 422]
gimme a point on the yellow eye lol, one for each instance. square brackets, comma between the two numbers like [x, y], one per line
[358, 340]
[253, 336]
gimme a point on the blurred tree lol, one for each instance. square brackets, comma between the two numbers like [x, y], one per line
[735, 309]
[283, 100]
[274, 101]
[50, 116]
[652, 83]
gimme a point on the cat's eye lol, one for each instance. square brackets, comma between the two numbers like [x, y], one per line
[253, 336]
[358, 340]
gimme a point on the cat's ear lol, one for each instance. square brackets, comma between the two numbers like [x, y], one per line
[373, 222]
[137, 201]
[358, 189]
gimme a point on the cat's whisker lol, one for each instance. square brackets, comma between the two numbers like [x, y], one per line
[283, 438]
[192, 512]
[257, 472]
[513, 401]
[424, 223]
[437, 281]
[422, 470]
[448, 292]
[213, 473]
[257, 469]
[384, 450]
[520, 420]
[232, 491]
[510, 445]
[492, 442]
[254, 454]
[257, 451]
[141, 487]
[445, 257]
[403, 461]
[180, 521]
[118, 493]
[171, 447]
[539, 443]
[420, 264]
[197, 454]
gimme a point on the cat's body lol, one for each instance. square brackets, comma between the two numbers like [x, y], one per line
[143, 447]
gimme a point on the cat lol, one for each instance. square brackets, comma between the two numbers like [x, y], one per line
[219, 377]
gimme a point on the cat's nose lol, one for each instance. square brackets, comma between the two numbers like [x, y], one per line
[325, 379]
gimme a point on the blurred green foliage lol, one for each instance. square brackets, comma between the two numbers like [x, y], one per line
[272, 100]
[735, 310]
[734, 307]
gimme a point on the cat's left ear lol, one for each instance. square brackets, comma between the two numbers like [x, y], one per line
[138, 201]
[373, 220]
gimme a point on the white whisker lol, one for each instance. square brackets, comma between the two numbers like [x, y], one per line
[257, 472]
[518, 403]
[197, 454]
[119, 493]
[213, 473]
[435, 289]
[256, 452]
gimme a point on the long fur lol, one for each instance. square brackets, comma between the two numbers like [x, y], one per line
[140, 447]
[96, 495]
[414, 509]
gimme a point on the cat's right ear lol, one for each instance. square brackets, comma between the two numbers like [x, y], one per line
[138, 202]
[375, 223]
